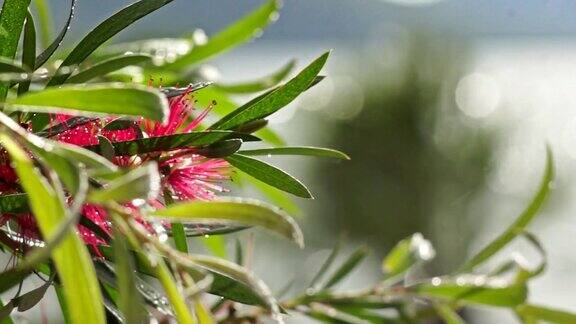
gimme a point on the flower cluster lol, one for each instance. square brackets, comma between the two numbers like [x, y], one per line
[185, 174]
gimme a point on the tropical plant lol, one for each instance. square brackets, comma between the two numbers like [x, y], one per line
[105, 180]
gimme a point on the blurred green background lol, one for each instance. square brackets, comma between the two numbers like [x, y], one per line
[444, 106]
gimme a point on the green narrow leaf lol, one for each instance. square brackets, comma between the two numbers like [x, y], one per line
[91, 160]
[62, 302]
[68, 171]
[546, 314]
[106, 148]
[5, 311]
[274, 100]
[11, 278]
[52, 47]
[326, 265]
[171, 46]
[31, 298]
[10, 67]
[45, 18]
[328, 314]
[108, 66]
[158, 268]
[101, 33]
[179, 236]
[130, 304]
[238, 252]
[178, 304]
[172, 142]
[474, 290]
[177, 229]
[298, 150]
[449, 315]
[244, 211]
[406, 254]
[262, 84]
[223, 285]
[71, 257]
[220, 149]
[203, 315]
[216, 244]
[350, 264]
[253, 126]
[12, 19]
[120, 124]
[29, 43]
[109, 280]
[28, 50]
[535, 243]
[269, 175]
[238, 274]
[521, 222]
[118, 99]
[239, 32]
[14, 203]
[140, 183]
[41, 255]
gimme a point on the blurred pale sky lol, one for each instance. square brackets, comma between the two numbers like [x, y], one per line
[348, 19]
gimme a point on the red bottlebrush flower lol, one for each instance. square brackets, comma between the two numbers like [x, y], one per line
[8, 177]
[195, 177]
[99, 217]
[186, 175]
[83, 135]
[180, 112]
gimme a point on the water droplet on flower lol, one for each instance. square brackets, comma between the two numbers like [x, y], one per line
[138, 202]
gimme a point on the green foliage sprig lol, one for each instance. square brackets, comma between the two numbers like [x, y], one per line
[54, 180]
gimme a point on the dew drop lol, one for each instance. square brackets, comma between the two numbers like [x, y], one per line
[460, 281]
[274, 16]
[199, 37]
[258, 33]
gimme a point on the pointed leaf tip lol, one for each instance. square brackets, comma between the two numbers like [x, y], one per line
[244, 211]
[269, 174]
